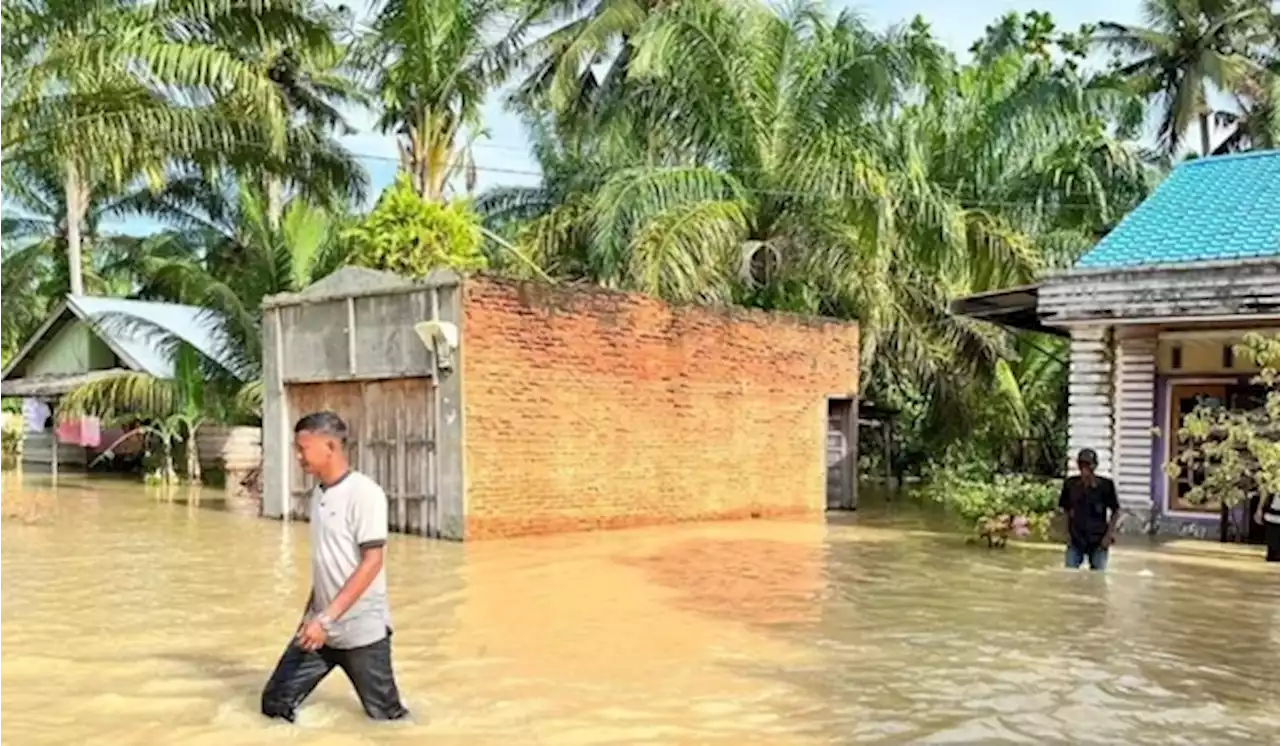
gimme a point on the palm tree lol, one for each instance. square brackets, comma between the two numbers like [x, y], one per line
[109, 89]
[801, 162]
[233, 254]
[430, 65]
[580, 67]
[1039, 157]
[1257, 124]
[22, 303]
[757, 174]
[1187, 48]
[35, 215]
[308, 71]
[228, 255]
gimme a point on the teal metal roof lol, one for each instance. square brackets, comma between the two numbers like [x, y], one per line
[1207, 210]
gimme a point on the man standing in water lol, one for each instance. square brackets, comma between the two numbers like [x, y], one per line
[1087, 499]
[347, 622]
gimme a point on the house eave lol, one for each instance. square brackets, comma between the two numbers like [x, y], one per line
[1205, 291]
[1085, 273]
[1012, 308]
[54, 385]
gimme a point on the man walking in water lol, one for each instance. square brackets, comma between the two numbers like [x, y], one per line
[347, 622]
[1087, 499]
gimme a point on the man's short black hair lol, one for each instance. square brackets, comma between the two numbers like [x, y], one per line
[323, 423]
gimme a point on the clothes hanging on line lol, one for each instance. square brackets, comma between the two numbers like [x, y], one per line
[68, 431]
[35, 414]
[90, 432]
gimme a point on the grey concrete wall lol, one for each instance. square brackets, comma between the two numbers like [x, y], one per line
[358, 325]
[276, 428]
[450, 485]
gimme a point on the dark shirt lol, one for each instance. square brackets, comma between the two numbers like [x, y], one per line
[1086, 507]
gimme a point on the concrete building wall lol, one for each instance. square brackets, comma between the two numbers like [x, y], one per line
[592, 409]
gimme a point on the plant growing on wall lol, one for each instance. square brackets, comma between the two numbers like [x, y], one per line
[411, 236]
[1238, 451]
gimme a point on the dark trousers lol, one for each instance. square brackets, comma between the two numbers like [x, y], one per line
[1273, 542]
[368, 668]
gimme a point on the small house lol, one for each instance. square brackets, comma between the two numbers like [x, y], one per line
[1154, 313]
[87, 338]
[488, 407]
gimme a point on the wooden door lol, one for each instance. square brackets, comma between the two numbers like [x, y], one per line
[1183, 401]
[392, 431]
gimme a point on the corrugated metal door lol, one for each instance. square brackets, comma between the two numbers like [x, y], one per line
[392, 424]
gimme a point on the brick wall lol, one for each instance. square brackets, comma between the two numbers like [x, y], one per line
[593, 409]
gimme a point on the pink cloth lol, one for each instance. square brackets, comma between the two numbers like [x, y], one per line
[68, 431]
[90, 432]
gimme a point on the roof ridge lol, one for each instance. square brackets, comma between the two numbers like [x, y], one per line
[1211, 159]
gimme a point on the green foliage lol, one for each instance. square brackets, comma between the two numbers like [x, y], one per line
[232, 252]
[11, 439]
[1239, 450]
[169, 411]
[1191, 47]
[431, 64]
[819, 166]
[991, 503]
[411, 236]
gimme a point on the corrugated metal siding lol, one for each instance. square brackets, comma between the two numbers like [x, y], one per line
[1133, 388]
[1241, 289]
[1089, 395]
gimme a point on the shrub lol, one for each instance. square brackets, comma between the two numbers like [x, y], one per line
[11, 439]
[411, 236]
[1238, 450]
[995, 506]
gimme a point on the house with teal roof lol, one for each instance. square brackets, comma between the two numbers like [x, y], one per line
[1154, 312]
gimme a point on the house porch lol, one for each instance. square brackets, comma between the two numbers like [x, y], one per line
[1130, 387]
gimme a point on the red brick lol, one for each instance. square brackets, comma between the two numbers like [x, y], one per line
[591, 409]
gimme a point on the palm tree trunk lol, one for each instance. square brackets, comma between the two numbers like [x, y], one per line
[1204, 133]
[74, 193]
[193, 456]
[274, 190]
[170, 475]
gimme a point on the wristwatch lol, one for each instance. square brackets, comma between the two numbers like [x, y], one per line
[324, 621]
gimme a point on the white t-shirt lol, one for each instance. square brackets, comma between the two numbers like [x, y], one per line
[349, 516]
[1272, 515]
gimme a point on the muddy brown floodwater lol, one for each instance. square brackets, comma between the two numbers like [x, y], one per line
[129, 619]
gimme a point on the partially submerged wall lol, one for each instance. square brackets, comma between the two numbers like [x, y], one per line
[593, 409]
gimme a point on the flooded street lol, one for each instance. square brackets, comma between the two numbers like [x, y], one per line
[130, 620]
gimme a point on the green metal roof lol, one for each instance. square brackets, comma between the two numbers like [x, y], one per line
[1211, 209]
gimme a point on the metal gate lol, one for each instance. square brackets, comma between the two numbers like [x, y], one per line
[392, 441]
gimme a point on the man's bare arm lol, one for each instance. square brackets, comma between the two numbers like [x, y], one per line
[358, 583]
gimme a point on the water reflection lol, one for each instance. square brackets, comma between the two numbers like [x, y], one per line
[132, 617]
